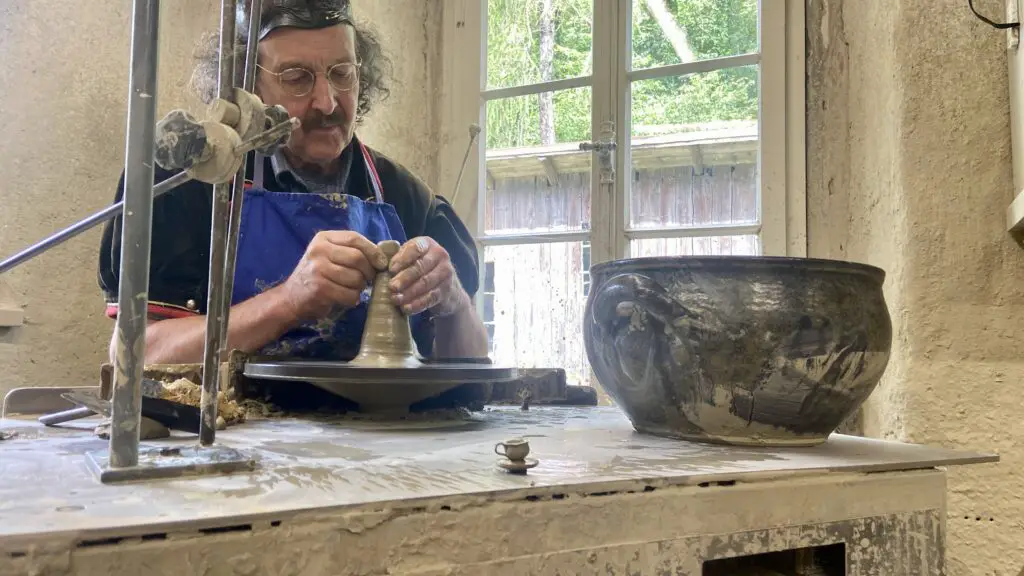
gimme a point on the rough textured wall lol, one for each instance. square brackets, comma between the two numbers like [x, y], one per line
[63, 98]
[405, 126]
[909, 169]
[63, 88]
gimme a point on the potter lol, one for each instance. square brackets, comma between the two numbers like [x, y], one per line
[313, 214]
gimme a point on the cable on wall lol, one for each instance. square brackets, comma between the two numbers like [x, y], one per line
[997, 25]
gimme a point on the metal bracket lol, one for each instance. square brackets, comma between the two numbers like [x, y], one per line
[171, 462]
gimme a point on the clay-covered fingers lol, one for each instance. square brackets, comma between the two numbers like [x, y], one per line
[413, 251]
[334, 271]
[342, 264]
[427, 291]
[325, 294]
[323, 267]
[371, 254]
[424, 278]
[317, 286]
[420, 266]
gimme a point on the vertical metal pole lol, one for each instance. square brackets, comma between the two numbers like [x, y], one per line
[238, 188]
[215, 316]
[136, 231]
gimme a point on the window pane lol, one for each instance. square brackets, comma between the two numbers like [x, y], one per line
[749, 245]
[538, 307]
[679, 31]
[538, 180]
[695, 150]
[539, 120]
[531, 41]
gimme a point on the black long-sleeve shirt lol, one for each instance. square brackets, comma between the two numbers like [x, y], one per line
[180, 248]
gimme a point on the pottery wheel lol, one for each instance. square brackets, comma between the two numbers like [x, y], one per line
[388, 374]
[378, 389]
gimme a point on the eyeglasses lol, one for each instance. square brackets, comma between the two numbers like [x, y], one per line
[299, 81]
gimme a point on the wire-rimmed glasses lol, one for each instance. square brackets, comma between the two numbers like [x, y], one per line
[299, 81]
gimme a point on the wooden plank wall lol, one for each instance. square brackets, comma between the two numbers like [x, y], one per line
[679, 196]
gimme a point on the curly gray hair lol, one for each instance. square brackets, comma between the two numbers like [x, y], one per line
[374, 72]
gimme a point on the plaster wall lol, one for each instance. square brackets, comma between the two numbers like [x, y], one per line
[909, 168]
[405, 126]
[63, 97]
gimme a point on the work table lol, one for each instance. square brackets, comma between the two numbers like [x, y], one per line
[393, 480]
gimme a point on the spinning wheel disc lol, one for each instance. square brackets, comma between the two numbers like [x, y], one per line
[378, 389]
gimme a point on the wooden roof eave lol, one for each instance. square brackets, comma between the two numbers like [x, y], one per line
[647, 154]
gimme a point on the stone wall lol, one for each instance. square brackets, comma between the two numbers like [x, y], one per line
[63, 98]
[909, 169]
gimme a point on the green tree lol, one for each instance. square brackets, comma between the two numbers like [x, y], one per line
[518, 36]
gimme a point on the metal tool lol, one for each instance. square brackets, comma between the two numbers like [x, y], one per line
[275, 132]
[150, 388]
[173, 415]
[45, 399]
[474, 131]
[237, 190]
[65, 416]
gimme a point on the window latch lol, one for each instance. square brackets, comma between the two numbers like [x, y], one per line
[604, 148]
[601, 147]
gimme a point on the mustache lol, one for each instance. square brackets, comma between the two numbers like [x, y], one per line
[315, 120]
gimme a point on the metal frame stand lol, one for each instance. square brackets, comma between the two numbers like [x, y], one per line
[122, 461]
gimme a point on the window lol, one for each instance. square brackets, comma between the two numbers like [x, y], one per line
[616, 129]
[488, 304]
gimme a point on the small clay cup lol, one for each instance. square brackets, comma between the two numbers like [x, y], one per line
[516, 449]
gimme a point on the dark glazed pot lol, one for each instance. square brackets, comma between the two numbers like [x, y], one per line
[738, 350]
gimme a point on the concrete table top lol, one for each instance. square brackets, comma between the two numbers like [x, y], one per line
[306, 465]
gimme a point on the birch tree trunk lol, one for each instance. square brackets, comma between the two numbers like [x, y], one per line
[673, 32]
[547, 71]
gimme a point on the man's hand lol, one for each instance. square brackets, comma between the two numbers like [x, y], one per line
[335, 269]
[424, 278]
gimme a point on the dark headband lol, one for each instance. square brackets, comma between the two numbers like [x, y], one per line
[304, 14]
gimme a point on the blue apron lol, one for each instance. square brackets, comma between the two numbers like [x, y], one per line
[276, 228]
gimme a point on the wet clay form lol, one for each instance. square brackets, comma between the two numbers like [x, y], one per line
[388, 374]
[387, 337]
[738, 350]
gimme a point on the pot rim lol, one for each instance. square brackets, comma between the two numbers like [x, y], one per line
[740, 263]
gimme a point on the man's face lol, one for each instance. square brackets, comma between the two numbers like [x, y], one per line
[327, 113]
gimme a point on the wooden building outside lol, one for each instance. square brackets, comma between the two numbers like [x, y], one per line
[534, 294]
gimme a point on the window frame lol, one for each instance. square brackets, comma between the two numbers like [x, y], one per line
[781, 125]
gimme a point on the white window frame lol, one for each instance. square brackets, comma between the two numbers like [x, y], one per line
[781, 130]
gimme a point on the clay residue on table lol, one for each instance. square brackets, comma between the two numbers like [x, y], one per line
[184, 391]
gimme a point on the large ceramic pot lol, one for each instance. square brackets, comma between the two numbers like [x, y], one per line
[737, 350]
